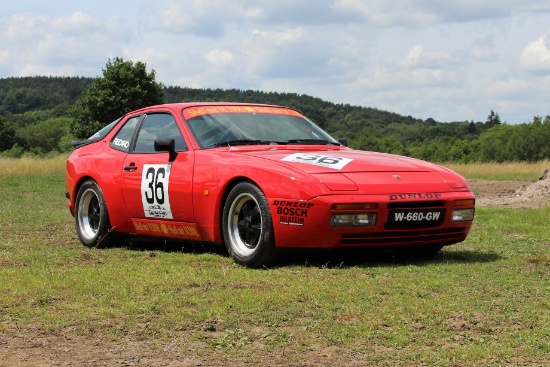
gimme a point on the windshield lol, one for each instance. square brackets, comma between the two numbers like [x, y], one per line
[222, 129]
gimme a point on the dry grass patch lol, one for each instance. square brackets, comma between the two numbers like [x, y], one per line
[32, 166]
[501, 171]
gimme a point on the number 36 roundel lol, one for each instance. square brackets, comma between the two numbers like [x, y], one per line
[154, 191]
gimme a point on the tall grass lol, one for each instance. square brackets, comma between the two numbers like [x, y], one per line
[501, 171]
[32, 166]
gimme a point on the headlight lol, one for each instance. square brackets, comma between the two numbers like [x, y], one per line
[353, 220]
[463, 215]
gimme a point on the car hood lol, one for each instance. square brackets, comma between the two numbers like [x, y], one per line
[368, 172]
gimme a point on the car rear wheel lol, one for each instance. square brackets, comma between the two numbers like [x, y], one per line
[92, 218]
[248, 227]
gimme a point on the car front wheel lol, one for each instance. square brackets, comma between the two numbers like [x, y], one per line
[248, 227]
[92, 218]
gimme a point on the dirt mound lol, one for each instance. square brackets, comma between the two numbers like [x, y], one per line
[515, 194]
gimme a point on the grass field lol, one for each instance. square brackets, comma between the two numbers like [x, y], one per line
[484, 302]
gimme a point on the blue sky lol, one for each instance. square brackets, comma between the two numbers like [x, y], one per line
[448, 60]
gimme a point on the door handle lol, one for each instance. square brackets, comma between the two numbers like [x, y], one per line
[130, 168]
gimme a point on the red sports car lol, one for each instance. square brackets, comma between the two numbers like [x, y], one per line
[258, 178]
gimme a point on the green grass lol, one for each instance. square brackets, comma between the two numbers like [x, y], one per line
[484, 302]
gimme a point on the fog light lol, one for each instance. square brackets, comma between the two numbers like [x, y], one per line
[339, 220]
[463, 215]
[368, 219]
[352, 220]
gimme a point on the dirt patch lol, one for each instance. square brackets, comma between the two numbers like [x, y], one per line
[513, 194]
[32, 348]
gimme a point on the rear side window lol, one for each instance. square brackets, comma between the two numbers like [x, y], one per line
[124, 136]
[158, 125]
[103, 132]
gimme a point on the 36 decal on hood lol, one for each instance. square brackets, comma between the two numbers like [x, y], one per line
[318, 160]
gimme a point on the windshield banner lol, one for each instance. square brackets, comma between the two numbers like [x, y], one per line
[191, 112]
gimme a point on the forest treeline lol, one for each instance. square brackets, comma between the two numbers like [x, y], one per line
[34, 119]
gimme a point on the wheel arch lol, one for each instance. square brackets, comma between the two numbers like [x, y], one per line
[78, 184]
[118, 215]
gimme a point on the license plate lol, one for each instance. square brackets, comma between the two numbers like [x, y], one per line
[413, 216]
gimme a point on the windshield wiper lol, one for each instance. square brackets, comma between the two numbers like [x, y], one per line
[239, 142]
[310, 141]
[81, 143]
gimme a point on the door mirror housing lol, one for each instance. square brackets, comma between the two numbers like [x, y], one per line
[166, 145]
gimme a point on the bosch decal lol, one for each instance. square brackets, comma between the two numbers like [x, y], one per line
[292, 212]
[414, 196]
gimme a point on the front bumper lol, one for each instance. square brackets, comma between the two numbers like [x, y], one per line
[307, 224]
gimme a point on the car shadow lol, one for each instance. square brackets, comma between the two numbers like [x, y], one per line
[338, 258]
[347, 258]
[170, 245]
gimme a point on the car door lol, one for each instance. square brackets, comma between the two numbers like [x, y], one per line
[154, 188]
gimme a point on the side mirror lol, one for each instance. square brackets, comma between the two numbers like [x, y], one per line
[343, 141]
[166, 145]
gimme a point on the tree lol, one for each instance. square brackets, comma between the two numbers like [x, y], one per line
[44, 136]
[124, 87]
[7, 135]
[493, 119]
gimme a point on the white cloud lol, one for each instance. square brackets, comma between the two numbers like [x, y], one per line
[77, 23]
[288, 53]
[40, 45]
[447, 60]
[484, 54]
[418, 57]
[195, 16]
[536, 55]
[509, 88]
[219, 57]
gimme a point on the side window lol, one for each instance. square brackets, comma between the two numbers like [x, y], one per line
[159, 125]
[124, 136]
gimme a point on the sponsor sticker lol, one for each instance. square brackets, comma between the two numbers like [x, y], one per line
[318, 160]
[189, 113]
[154, 191]
[166, 228]
[414, 196]
[121, 143]
[292, 213]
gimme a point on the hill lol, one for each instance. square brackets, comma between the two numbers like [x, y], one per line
[33, 118]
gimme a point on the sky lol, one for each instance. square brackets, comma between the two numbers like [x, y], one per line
[446, 60]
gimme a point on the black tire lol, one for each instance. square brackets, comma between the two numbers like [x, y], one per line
[91, 216]
[248, 227]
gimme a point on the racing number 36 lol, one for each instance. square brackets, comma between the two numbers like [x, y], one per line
[318, 160]
[155, 182]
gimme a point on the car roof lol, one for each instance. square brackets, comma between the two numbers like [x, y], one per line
[182, 105]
